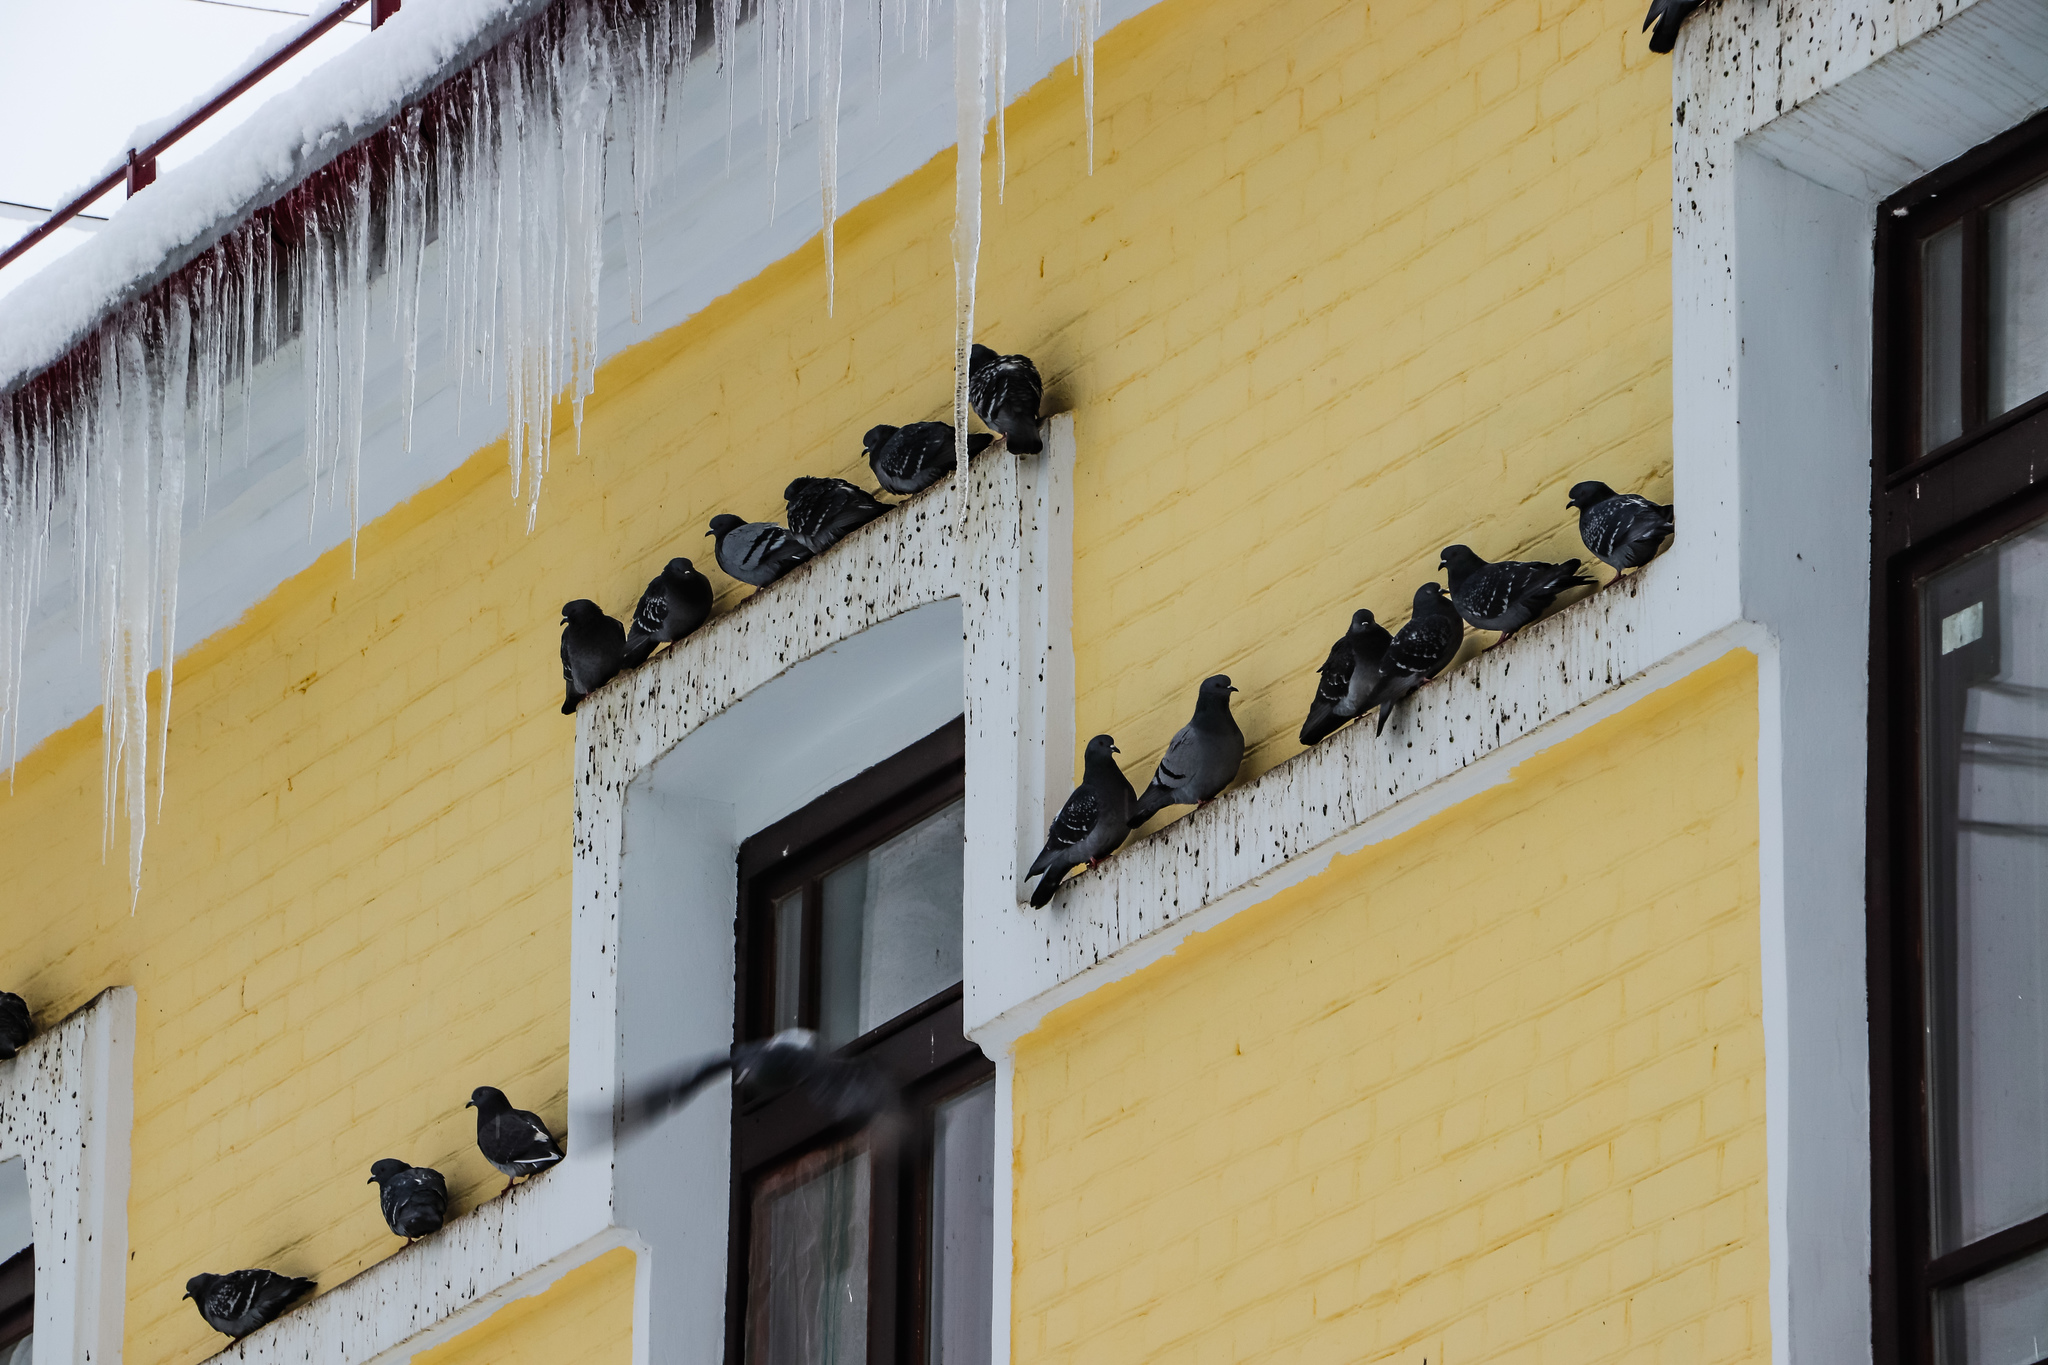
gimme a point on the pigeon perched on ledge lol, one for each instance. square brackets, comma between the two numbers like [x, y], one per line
[16, 1027]
[1507, 595]
[414, 1198]
[1201, 758]
[1092, 825]
[676, 602]
[911, 459]
[1347, 678]
[243, 1300]
[1420, 650]
[756, 552]
[1005, 391]
[821, 511]
[514, 1141]
[593, 648]
[844, 1089]
[1623, 530]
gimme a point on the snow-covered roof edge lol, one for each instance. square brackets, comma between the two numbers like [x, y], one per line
[292, 135]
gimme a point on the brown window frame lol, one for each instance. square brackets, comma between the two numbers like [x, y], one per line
[17, 1297]
[924, 1050]
[1927, 511]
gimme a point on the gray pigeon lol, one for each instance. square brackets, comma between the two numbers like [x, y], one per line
[756, 552]
[239, 1302]
[1005, 391]
[1508, 595]
[593, 647]
[1669, 16]
[1419, 651]
[1201, 758]
[514, 1141]
[911, 459]
[1348, 677]
[414, 1198]
[676, 602]
[842, 1089]
[1623, 530]
[16, 1027]
[1092, 825]
[821, 511]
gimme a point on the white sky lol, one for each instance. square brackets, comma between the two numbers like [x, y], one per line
[78, 76]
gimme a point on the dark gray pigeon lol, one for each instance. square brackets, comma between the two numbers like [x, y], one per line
[1419, 651]
[1092, 825]
[593, 647]
[1348, 678]
[514, 1141]
[756, 552]
[1623, 530]
[240, 1301]
[1508, 595]
[911, 459]
[414, 1198]
[1005, 391]
[1669, 16]
[1201, 758]
[843, 1089]
[821, 511]
[676, 602]
[16, 1027]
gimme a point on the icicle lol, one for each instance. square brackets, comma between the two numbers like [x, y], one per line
[170, 523]
[970, 93]
[1083, 18]
[999, 66]
[828, 134]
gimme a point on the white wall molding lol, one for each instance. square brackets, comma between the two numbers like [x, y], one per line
[67, 1109]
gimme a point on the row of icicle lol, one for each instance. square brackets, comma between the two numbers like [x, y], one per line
[504, 165]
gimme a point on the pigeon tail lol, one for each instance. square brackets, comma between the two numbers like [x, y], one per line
[1155, 800]
[1049, 883]
[1323, 721]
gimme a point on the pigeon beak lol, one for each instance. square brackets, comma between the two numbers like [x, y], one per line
[371, 1181]
[470, 1104]
[1233, 689]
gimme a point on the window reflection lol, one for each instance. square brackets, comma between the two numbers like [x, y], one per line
[1997, 1319]
[963, 1228]
[807, 1291]
[1941, 343]
[2018, 303]
[891, 926]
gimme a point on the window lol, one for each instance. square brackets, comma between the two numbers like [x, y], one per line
[1959, 763]
[849, 1248]
[17, 1265]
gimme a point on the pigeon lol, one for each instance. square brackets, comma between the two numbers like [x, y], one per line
[593, 646]
[1508, 595]
[514, 1141]
[1004, 391]
[1201, 758]
[756, 552]
[675, 603]
[844, 1089]
[1669, 16]
[240, 1301]
[911, 459]
[823, 510]
[1418, 652]
[1348, 677]
[414, 1198]
[1623, 530]
[16, 1027]
[1091, 826]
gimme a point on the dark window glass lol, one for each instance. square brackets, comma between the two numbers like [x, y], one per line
[17, 1307]
[963, 1225]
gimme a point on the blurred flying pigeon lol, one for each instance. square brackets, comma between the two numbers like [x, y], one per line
[1348, 677]
[514, 1141]
[1669, 16]
[911, 459]
[593, 647]
[1508, 595]
[844, 1089]
[756, 552]
[1418, 652]
[1623, 530]
[1201, 758]
[239, 1302]
[823, 510]
[1005, 392]
[676, 602]
[414, 1198]
[1091, 826]
[16, 1027]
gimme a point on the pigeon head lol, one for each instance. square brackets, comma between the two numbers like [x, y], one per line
[1360, 619]
[980, 358]
[1431, 601]
[679, 568]
[1459, 561]
[1590, 493]
[487, 1099]
[581, 612]
[1216, 690]
[724, 524]
[877, 437]
[196, 1287]
[1100, 748]
[385, 1169]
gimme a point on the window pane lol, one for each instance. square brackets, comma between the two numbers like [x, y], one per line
[1984, 649]
[1997, 1319]
[963, 1228]
[1941, 341]
[789, 961]
[892, 927]
[2018, 297]
[807, 1277]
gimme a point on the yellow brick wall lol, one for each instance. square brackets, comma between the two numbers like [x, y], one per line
[1492, 1090]
[586, 1317]
[1348, 282]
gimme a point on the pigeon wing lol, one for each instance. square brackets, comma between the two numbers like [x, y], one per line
[1069, 827]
